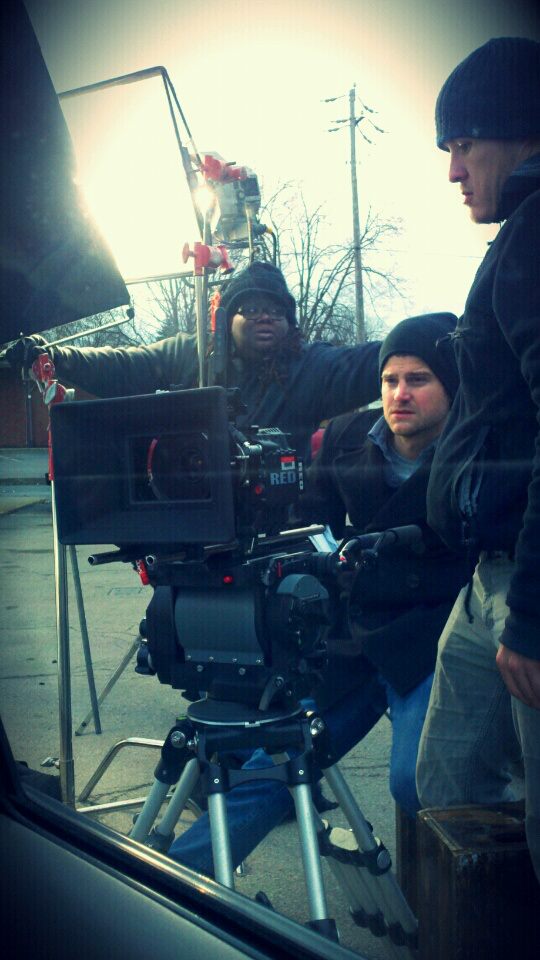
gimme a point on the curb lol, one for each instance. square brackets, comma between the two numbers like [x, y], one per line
[24, 481]
[19, 503]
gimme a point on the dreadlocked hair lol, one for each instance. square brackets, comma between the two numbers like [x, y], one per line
[275, 368]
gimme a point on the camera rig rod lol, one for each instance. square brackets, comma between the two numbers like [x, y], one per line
[114, 556]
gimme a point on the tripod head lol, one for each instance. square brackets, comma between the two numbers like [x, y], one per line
[248, 631]
[252, 631]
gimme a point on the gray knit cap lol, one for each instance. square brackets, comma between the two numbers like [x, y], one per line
[493, 94]
[427, 337]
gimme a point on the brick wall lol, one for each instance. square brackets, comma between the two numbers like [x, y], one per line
[14, 406]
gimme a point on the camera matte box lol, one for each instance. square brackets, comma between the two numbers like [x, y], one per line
[101, 451]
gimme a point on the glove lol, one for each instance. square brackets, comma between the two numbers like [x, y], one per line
[21, 354]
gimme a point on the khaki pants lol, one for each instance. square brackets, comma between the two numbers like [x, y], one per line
[475, 732]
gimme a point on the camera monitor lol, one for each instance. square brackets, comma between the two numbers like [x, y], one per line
[147, 470]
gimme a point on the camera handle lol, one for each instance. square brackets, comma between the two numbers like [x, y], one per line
[359, 861]
[366, 548]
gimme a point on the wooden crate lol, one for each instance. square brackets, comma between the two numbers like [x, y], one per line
[477, 894]
[407, 857]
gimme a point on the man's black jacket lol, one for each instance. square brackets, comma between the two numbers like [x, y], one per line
[485, 479]
[398, 607]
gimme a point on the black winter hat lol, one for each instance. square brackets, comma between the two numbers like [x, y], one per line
[259, 277]
[493, 94]
[425, 337]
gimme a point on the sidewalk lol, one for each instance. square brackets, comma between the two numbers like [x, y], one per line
[23, 477]
[23, 465]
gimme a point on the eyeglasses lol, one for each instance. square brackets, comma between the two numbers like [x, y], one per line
[253, 312]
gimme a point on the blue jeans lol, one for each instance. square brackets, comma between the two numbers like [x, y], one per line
[256, 807]
[407, 715]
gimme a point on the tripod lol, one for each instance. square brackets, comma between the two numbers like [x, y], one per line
[197, 748]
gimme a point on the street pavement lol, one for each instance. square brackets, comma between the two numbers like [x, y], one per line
[137, 706]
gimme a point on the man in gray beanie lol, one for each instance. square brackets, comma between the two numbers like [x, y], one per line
[372, 472]
[373, 468]
[484, 489]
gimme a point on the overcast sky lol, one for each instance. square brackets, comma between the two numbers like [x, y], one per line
[251, 78]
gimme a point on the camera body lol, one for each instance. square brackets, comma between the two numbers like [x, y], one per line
[169, 472]
[168, 477]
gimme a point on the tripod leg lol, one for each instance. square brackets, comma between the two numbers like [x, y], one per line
[374, 870]
[221, 844]
[175, 756]
[163, 833]
[149, 812]
[311, 859]
[341, 850]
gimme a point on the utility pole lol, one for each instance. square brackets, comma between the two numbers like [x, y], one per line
[357, 243]
[353, 122]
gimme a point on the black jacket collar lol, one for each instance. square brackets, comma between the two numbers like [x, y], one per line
[361, 468]
[520, 184]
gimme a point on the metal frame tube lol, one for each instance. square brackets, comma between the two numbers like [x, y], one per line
[66, 765]
[110, 684]
[109, 757]
[85, 639]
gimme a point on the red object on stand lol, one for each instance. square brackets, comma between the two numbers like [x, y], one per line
[206, 257]
[220, 171]
[52, 392]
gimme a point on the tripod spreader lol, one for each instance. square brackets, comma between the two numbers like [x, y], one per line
[187, 739]
[321, 741]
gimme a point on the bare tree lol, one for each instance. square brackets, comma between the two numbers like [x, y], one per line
[321, 275]
[141, 323]
[96, 330]
[173, 306]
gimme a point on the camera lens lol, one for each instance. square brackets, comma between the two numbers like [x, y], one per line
[178, 467]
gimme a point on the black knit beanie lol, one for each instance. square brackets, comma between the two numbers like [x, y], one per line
[493, 94]
[259, 277]
[425, 337]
